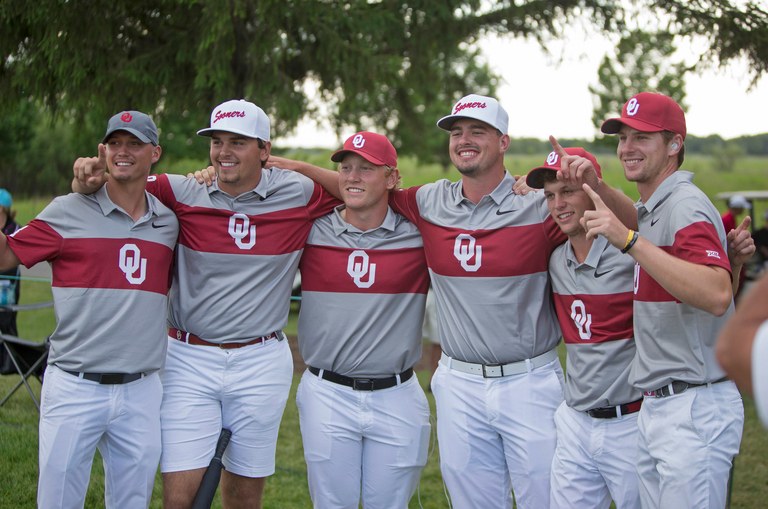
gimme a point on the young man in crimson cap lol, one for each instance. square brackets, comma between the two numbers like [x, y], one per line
[228, 364]
[690, 423]
[364, 417]
[594, 460]
[111, 255]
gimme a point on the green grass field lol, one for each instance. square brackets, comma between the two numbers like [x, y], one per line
[287, 488]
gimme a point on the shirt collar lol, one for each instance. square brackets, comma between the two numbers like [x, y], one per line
[108, 206]
[593, 257]
[340, 226]
[662, 192]
[497, 195]
[261, 188]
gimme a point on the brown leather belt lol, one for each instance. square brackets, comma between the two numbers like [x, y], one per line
[186, 337]
[615, 411]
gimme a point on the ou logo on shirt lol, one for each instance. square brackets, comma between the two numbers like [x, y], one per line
[581, 319]
[131, 262]
[465, 249]
[240, 228]
[358, 266]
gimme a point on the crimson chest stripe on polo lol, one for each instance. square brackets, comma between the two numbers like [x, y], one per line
[697, 243]
[81, 262]
[211, 230]
[84, 265]
[611, 318]
[505, 252]
[327, 269]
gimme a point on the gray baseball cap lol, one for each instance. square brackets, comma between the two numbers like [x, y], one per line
[135, 122]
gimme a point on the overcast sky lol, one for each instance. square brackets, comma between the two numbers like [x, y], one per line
[548, 95]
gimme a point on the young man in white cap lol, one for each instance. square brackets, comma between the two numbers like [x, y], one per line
[596, 449]
[228, 365]
[364, 417]
[692, 416]
[499, 381]
[111, 255]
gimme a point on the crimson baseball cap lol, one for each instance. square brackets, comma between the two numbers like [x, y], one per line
[649, 112]
[135, 122]
[374, 148]
[535, 177]
[480, 107]
[238, 116]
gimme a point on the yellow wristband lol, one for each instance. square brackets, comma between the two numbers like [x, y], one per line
[631, 242]
[629, 239]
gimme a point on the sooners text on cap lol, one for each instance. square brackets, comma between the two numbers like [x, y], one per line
[463, 106]
[228, 114]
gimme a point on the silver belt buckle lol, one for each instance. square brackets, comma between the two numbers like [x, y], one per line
[492, 371]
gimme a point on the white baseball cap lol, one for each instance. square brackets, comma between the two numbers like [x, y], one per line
[240, 117]
[480, 107]
[737, 201]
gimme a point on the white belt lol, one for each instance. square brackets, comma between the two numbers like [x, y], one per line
[500, 370]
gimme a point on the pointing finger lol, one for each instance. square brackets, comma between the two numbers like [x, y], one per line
[557, 147]
[599, 204]
[102, 155]
[745, 223]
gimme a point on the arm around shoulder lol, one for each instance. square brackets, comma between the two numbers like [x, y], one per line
[327, 178]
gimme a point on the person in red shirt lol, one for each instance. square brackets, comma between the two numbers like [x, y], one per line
[737, 204]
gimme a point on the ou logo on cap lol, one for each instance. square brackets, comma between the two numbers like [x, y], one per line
[552, 158]
[358, 141]
[632, 107]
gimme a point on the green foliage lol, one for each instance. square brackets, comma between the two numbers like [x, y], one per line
[642, 63]
[392, 66]
[725, 156]
[734, 29]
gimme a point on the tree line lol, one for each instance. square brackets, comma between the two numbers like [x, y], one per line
[385, 65]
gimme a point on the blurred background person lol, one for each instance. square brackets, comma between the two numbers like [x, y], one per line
[9, 280]
[737, 204]
[760, 236]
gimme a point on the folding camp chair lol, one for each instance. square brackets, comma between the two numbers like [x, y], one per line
[27, 358]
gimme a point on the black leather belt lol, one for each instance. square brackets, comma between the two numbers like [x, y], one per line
[362, 384]
[676, 387]
[107, 378]
[615, 411]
